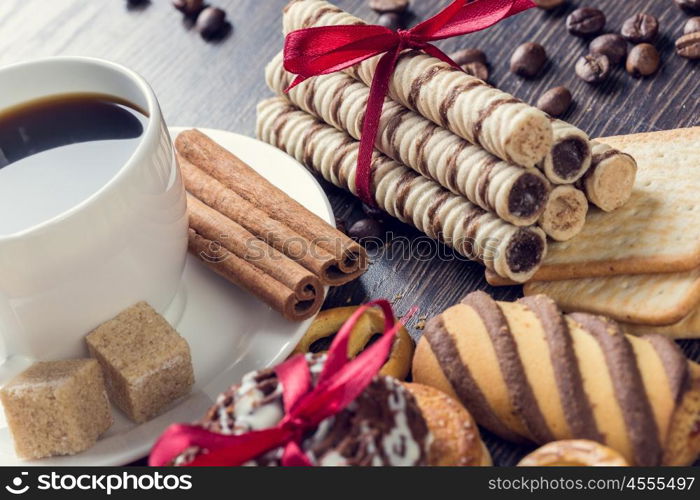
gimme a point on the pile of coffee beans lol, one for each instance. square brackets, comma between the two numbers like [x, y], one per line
[611, 49]
[210, 22]
[391, 12]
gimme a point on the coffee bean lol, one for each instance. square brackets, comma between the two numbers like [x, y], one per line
[211, 23]
[643, 60]
[688, 46]
[593, 68]
[528, 59]
[374, 212]
[612, 45]
[689, 5]
[555, 101]
[466, 56]
[692, 26]
[388, 5]
[190, 8]
[366, 229]
[585, 21]
[548, 4]
[477, 69]
[640, 28]
[391, 20]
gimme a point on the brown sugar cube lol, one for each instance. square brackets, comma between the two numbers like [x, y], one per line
[146, 363]
[56, 408]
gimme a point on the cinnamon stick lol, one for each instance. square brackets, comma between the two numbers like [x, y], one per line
[235, 175]
[250, 263]
[217, 196]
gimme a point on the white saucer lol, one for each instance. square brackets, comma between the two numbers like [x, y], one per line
[229, 331]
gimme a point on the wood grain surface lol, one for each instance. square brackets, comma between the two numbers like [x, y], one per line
[218, 84]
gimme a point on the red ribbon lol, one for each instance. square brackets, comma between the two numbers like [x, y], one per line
[328, 49]
[340, 382]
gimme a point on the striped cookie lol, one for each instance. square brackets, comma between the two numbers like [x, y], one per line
[527, 372]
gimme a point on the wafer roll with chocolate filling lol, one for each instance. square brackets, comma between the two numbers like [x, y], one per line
[250, 263]
[570, 156]
[515, 194]
[529, 373]
[508, 250]
[350, 258]
[609, 182]
[565, 213]
[498, 122]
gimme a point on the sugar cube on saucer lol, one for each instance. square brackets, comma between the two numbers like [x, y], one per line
[56, 408]
[146, 363]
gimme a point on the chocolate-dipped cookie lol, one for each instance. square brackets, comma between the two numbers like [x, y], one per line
[388, 424]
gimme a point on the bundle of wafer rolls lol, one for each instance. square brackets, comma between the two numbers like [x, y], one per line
[466, 106]
[475, 233]
[490, 150]
[256, 236]
[530, 373]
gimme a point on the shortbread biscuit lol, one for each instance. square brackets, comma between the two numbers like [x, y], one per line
[648, 299]
[517, 195]
[514, 252]
[463, 104]
[687, 328]
[656, 231]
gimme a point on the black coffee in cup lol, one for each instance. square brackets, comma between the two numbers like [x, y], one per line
[57, 151]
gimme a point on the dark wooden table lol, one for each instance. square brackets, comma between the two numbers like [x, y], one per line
[218, 85]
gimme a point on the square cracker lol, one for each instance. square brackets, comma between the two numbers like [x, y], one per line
[687, 328]
[647, 299]
[656, 231]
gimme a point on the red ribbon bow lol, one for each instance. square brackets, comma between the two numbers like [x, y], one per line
[328, 49]
[340, 382]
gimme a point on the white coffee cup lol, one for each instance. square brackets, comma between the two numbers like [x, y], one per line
[125, 243]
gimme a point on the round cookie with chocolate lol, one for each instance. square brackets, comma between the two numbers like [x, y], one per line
[385, 426]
